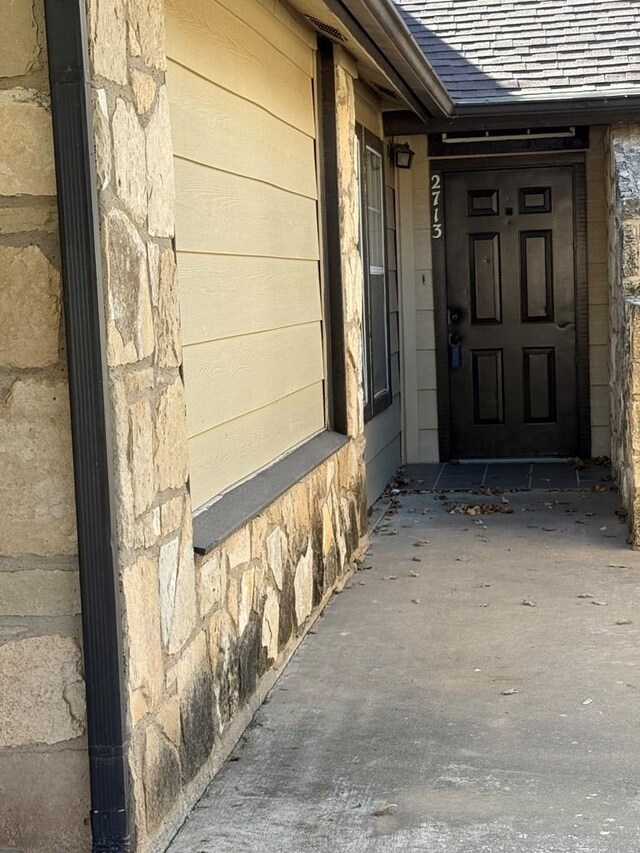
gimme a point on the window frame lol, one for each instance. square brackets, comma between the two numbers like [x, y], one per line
[374, 403]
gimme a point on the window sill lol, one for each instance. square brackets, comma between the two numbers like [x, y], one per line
[238, 507]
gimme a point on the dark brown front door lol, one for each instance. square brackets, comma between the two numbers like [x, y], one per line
[509, 241]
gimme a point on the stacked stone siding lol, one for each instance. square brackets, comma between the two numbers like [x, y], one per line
[203, 639]
[624, 272]
[43, 761]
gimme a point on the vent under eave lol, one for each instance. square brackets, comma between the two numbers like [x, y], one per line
[327, 30]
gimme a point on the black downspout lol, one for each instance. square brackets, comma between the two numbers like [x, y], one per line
[84, 322]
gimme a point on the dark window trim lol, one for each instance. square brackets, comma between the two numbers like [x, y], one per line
[373, 406]
[329, 214]
[237, 507]
[575, 159]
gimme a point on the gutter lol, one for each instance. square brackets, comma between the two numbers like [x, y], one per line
[552, 103]
[69, 77]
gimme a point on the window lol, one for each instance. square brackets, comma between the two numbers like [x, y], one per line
[376, 361]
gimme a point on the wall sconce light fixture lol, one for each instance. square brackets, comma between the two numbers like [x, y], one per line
[401, 155]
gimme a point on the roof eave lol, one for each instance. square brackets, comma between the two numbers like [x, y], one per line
[379, 28]
[585, 111]
[555, 103]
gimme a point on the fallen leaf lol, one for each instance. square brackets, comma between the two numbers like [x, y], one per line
[586, 595]
[388, 533]
[415, 601]
[414, 575]
[417, 559]
[419, 542]
[483, 604]
[510, 691]
[587, 701]
[483, 585]
[390, 578]
[527, 602]
[387, 808]
[617, 566]
[624, 622]
[599, 603]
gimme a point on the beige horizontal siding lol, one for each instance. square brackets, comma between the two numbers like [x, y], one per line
[238, 136]
[248, 372]
[222, 213]
[218, 45]
[240, 82]
[236, 449]
[424, 318]
[223, 296]
[598, 280]
[368, 112]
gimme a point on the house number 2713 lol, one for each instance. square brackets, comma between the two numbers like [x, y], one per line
[436, 223]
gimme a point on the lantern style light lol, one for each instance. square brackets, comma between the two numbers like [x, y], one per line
[402, 155]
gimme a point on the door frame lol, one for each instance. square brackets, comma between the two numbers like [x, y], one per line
[577, 160]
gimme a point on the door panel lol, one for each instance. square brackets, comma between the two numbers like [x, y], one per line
[511, 297]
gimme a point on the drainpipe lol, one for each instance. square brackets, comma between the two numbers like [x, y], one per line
[66, 27]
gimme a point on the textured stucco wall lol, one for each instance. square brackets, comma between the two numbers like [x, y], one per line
[43, 764]
[623, 146]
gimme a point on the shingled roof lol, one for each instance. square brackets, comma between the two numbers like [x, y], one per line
[503, 50]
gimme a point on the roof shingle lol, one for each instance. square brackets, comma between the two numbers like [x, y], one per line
[489, 50]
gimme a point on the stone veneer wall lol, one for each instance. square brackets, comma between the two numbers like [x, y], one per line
[43, 763]
[203, 639]
[623, 144]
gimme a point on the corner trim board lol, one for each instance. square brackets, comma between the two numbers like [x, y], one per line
[66, 27]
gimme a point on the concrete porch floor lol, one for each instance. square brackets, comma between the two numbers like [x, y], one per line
[432, 709]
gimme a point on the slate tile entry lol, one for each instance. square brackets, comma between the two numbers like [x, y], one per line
[509, 476]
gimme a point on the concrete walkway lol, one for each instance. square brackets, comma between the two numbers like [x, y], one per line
[473, 693]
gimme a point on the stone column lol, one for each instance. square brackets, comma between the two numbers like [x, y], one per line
[134, 161]
[624, 274]
[352, 277]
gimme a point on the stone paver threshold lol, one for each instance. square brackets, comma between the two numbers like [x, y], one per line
[509, 476]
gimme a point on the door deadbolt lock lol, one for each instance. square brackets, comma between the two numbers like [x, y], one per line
[455, 315]
[455, 351]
